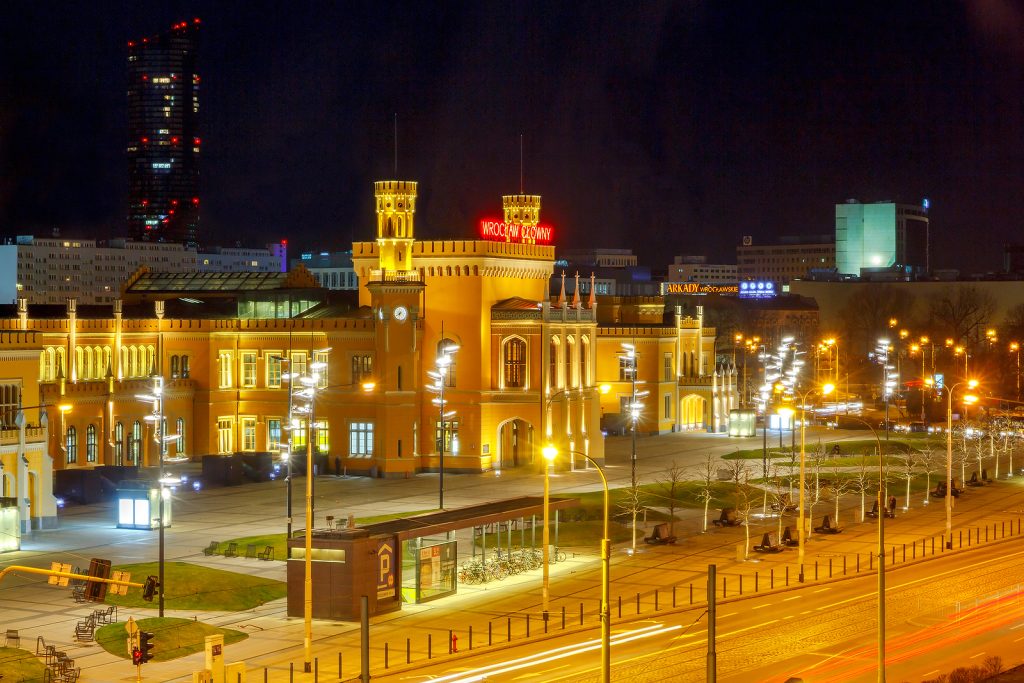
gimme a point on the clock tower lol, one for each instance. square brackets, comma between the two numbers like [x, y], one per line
[395, 289]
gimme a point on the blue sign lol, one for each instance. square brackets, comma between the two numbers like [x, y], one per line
[939, 380]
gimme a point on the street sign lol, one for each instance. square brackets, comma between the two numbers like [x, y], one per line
[120, 589]
[59, 580]
[939, 378]
[131, 627]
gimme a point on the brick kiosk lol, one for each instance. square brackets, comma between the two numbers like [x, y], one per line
[347, 564]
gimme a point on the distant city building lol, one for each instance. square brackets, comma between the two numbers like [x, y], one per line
[163, 136]
[1013, 259]
[332, 270]
[697, 269]
[605, 258]
[52, 270]
[791, 258]
[882, 236]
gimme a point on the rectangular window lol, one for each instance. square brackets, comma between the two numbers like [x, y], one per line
[669, 371]
[248, 366]
[451, 435]
[225, 435]
[362, 368]
[626, 368]
[668, 406]
[298, 434]
[360, 439]
[320, 357]
[248, 433]
[225, 358]
[274, 361]
[323, 436]
[298, 364]
[274, 434]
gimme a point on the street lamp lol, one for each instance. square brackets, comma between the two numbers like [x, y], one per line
[630, 355]
[1015, 349]
[440, 376]
[881, 551]
[567, 393]
[825, 391]
[64, 409]
[165, 480]
[550, 453]
[971, 383]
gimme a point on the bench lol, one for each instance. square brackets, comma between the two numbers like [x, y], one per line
[660, 535]
[784, 504]
[78, 592]
[873, 513]
[106, 616]
[44, 650]
[251, 552]
[827, 527]
[266, 554]
[787, 538]
[729, 517]
[232, 550]
[84, 630]
[212, 548]
[768, 545]
[940, 490]
[974, 481]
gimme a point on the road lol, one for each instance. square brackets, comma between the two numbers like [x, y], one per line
[945, 613]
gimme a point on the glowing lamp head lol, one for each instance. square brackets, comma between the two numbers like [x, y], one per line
[604, 388]
[368, 386]
[550, 453]
[64, 407]
[786, 411]
[972, 383]
[828, 389]
[970, 399]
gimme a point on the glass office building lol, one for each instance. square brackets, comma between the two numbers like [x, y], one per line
[882, 235]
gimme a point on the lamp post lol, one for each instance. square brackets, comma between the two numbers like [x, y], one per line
[634, 405]
[550, 453]
[440, 376]
[1015, 349]
[165, 493]
[971, 383]
[64, 409]
[802, 526]
[881, 551]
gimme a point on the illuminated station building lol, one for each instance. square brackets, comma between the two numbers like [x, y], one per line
[530, 368]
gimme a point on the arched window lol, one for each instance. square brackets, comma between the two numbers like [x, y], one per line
[567, 366]
[71, 445]
[133, 361]
[79, 362]
[61, 368]
[125, 365]
[175, 367]
[135, 445]
[554, 381]
[184, 367]
[107, 368]
[150, 368]
[119, 444]
[90, 443]
[88, 368]
[450, 375]
[585, 361]
[515, 363]
[179, 444]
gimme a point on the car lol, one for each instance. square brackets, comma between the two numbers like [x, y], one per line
[918, 427]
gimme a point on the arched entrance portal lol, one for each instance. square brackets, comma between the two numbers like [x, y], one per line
[515, 443]
[692, 411]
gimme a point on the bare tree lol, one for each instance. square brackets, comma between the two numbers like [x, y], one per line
[867, 312]
[929, 461]
[837, 487]
[781, 499]
[707, 475]
[671, 488]
[744, 503]
[962, 312]
[632, 504]
[860, 483]
[907, 467]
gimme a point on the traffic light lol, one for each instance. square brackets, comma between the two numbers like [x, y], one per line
[136, 656]
[149, 588]
[145, 647]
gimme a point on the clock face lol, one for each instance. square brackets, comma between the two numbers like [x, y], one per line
[401, 313]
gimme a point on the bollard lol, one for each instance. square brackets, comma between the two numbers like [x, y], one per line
[904, 552]
[638, 603]
[691, 593]
[986, 533]
[815, 570]
[894, 555]
[563, 617]
[581, 614]
[756, 580]
[771, 578]
[673, 597]
[454, 642]
[489, 642]
[266, 673]
[451, 640]
[471, 636]
[291, 671]
[339, 666]
[830, 567]
[316, 670]
[933, 545]
[725, 592]
[429, 646]
[655, 599]
[787, 575]
[844, 565]
[871, 561]
[858, 563]
[741, 584]
[527, 624]
[545, 623]
[385, 656]
[1002, 530]
[408, 652]
[510, 629]
[620, 606]
[914, 552]
[962, 539]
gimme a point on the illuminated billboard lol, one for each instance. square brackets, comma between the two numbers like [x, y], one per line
[757, 289]
[697, 288]
[495, 230]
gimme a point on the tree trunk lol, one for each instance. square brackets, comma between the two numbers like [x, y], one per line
[908, 490]
[707, 502]
[634, 529]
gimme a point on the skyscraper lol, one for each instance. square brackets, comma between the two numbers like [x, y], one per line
[882, 235]
[163, 136]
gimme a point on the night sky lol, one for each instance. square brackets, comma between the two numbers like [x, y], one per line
[669, 128]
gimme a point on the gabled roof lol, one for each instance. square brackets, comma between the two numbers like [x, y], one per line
[516, 304]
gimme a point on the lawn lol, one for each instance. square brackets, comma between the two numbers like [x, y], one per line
[172, 637]
[849, 450]
[279, 541]
[20, 666]
[192, 587]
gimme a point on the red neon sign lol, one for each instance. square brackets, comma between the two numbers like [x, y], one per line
[500, 231]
